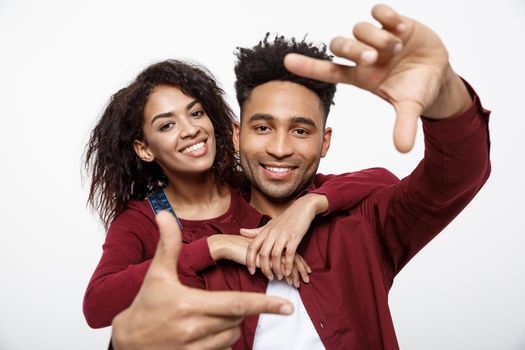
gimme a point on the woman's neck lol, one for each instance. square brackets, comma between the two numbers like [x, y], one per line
[197, 198]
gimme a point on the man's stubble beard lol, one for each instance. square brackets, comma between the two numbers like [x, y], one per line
[276, 193]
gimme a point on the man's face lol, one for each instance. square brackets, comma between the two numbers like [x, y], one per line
[281, 139]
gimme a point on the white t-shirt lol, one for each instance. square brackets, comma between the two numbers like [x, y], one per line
[295, 331]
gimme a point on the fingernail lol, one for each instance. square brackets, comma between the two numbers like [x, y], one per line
[307, 280]
[401, 27]
[279, 276]
[368, 56]
[297, 284]
[286, 309]
[397, 48]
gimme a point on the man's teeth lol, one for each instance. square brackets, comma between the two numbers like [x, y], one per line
[276, 170]
[193, 148]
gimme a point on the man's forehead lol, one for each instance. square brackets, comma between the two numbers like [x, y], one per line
[282, 100]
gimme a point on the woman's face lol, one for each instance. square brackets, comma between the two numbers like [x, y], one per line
[178, 134]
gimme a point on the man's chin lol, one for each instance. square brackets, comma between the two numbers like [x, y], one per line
[278, 193]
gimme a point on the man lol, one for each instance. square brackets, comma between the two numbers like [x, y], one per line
[355, 254]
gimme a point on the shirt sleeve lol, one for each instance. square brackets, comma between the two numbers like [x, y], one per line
[127, 253]
[346, 190]
[456, 164]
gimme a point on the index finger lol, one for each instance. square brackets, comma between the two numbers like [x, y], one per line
[236, 304]
[319, 69]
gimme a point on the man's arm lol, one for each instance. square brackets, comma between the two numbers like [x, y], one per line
[456, 165]
[406, 64]
[168, 315]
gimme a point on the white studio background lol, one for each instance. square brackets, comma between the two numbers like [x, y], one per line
[61, 60]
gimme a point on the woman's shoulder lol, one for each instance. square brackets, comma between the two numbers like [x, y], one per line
[133, 229]
[136, 214]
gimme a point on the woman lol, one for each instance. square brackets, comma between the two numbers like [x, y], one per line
[164, 142]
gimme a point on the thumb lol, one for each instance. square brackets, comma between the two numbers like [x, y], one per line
[407, 114]
[164, 263]
[250, 232]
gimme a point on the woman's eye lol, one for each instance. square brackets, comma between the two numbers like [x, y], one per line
[166, 126]
[197, 114]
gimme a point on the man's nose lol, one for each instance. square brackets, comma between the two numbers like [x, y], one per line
[279, 146]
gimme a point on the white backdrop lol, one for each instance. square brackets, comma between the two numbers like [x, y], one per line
[61, 60]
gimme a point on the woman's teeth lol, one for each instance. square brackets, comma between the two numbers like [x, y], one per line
[193, 148]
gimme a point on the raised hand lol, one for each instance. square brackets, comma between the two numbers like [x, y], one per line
[404, 62]
[167, 315]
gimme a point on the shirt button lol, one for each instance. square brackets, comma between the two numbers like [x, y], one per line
[321, 324]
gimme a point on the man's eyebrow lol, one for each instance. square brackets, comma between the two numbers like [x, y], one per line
[304, 120]
[170, 114]
[261, 116]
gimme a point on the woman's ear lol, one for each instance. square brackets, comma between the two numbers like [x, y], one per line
[142, 150]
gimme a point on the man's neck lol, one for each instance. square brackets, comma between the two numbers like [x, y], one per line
[266, 205]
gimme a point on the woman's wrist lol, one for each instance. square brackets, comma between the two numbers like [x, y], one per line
[317, 203]
[217, 248]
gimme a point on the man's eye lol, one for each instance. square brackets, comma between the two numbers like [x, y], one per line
[262, 128]
[166, 126]
[301, 132]
[197, 114]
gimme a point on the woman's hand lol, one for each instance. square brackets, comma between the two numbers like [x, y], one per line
[234, 248]
[281, 236]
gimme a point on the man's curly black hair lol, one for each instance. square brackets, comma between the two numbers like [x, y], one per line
[265, 62]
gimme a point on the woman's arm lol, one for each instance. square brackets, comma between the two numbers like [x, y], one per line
[329, 193]
[127, 253]
[234, 248]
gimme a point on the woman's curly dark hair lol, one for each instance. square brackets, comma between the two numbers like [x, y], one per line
[118, 175]
[265, 62]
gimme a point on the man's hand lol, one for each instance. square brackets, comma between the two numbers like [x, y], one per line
[281, 237]
[404, 62]
[234, 248]
[167, 315]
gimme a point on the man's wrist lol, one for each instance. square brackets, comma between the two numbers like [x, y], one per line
[453, 97]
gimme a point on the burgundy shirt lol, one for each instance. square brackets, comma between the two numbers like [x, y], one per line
[375, 224]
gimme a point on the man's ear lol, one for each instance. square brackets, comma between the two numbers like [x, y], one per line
[142, 150]
[327, 137]
[236, 135]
